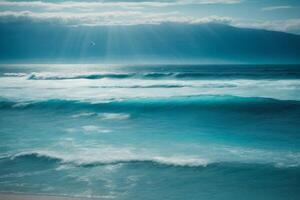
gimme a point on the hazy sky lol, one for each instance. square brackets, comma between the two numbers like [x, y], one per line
[282, 15]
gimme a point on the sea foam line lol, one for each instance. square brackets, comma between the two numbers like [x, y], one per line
[193, 100]
[115, 157]
[104, 116]
[139, 75]
[94, 156]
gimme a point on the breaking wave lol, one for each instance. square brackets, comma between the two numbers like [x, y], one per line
[94, 157]
[172, 102]
[120, 157]
[54, 76]
[146, 75]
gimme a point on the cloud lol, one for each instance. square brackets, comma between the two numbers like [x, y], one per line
[92, 5]
[271, 8]
[130, 17]
[65, 18]
[106, 18]
[288, 25]
[128, 12]
[102, 12]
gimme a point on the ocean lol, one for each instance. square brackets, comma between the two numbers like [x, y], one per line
[211, 132]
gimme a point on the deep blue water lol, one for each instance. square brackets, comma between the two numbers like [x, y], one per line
[151, 132]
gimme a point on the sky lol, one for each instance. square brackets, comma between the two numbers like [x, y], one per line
[279, 15]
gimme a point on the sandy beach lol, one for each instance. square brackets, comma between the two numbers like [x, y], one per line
[37, 197]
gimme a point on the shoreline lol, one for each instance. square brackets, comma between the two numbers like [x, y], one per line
[24, 196]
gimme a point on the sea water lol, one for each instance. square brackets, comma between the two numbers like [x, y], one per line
[151, 132]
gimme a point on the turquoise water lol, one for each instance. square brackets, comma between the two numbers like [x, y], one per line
[151, 132]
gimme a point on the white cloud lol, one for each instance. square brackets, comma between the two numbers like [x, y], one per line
[93, 5]
[139, 17]
[107, 18]
[213, 19]
[123, 12]
[271, 8]
[288, 25]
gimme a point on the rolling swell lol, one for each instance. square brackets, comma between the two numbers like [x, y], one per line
[149, 75]
[41, 76]
[160, 75]
[173, 103]
[193, 75]
[52, 158]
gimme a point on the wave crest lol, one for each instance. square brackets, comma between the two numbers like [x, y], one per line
[117, 157]
[203, 101]
[107, 155]
[139, 75]
[54, 76]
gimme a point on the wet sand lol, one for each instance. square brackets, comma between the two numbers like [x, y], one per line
[38, 197]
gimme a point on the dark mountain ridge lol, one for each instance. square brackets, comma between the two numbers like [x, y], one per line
[166, 41]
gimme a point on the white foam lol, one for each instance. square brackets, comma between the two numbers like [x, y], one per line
[84, 114]
[105, 116]
[199, 156]
[109, 155]
[82, 75]
[181, 161]
[21, 89]
[15, 74]
[94, 129]
[71, 130]
[114, 116]
[20, 105]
